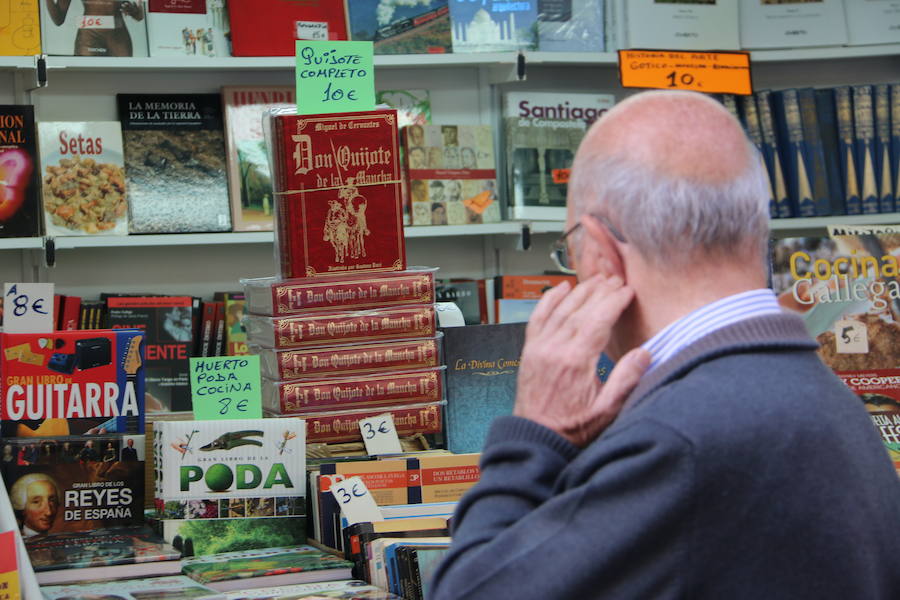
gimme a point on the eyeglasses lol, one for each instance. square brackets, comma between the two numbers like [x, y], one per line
[559, 250]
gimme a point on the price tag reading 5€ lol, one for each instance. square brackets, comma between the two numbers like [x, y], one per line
[380, 435]
[355, 501]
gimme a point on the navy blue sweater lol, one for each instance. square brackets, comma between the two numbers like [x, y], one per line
[740, 468]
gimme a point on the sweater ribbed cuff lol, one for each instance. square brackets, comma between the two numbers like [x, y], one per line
[519, 429]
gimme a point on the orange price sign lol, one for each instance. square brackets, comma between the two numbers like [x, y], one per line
[710, 72]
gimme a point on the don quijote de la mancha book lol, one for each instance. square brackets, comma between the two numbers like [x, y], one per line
[72, 420]
[337, 180]
[846, 289]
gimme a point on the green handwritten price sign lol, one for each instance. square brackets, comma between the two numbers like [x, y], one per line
[334, 77]
[226, 388]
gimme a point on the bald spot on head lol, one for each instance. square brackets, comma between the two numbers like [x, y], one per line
[682, 135]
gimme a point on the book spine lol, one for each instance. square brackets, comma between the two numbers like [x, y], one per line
[392, 356]
[219, 339]
[814, 153]
[70, 313]
[864, 141]
[883, 148]
[729, 101]
[843, 104]
[290, 298]
[396, 323]
[207, 330]
[895, 137]
[825, 111]
[794, 151]
[344, 427]
[751, 125]
[772, 155]
[399, 388]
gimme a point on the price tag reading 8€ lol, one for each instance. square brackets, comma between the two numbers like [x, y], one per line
[355, 501]
[380, 435]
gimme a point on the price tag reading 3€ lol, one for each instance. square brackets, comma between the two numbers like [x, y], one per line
[380, 435]
[355, 501]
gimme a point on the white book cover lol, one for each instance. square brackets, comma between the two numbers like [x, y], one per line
[83, 178]
[194, 28]
[249, 458]
[98, 28]
[792, 23]
[872, 21]
[682, 24]
[542, 131]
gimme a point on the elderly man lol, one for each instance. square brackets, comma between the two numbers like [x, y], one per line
[722, 459]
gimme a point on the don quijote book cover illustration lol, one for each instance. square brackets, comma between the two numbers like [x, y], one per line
[339, 197]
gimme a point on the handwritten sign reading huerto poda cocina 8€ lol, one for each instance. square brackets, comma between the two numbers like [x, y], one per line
[334, 77]
[710, 72]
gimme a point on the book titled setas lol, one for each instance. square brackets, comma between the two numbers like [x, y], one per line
[338, 193]
[271, 566]
[174, 163]
[75, 483]
[72, 383]
[19, 173]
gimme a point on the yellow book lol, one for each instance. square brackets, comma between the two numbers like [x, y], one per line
[20, 30]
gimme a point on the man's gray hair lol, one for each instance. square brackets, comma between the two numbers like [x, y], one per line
[18, 494]
[672, 220]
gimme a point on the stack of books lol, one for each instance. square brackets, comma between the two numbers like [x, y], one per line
[223, 486]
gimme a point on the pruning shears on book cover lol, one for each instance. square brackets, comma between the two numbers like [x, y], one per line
[233, 439]
[287, 436]
[184, 446]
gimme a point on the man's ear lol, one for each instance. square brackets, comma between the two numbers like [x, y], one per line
[599, 250]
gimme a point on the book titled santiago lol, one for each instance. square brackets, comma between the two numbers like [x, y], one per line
[83, 178]
[542, 133]
[19, 173]
[101, 553]
[174, 163]
[157, 588]
[271, 566]
[72, 383]
[338, 193]
[249, 177]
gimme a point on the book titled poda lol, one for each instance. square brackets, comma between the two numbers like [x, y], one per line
[251, 458]
[72, 382]
[338, 189]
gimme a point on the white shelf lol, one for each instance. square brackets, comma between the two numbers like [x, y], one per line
[233, 63]
[818, 225]
[21, 243]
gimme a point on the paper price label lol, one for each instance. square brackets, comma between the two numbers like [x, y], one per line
[226, 388]
[380, 435]
[28, 308]
[97, 22]
[710, 72]
[851, 337]
[355, 501]
[311, 30]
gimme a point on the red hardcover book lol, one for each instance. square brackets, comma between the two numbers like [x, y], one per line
[343, 426]
[207, 330]
[270, 27]
[338, 196]
[71, 309]
[347, 393]
[57, 310]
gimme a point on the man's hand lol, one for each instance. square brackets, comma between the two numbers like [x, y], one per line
[558, 385]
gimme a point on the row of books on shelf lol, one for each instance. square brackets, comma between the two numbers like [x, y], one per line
[831, 151]
[269, 27]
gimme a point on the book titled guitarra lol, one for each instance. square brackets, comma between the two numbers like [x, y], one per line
[338, 193]
[72, 383]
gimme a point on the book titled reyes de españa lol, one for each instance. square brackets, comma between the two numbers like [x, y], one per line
[338, 193]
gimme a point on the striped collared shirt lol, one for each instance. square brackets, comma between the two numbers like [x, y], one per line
[691, 327]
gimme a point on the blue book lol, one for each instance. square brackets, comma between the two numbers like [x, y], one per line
[827, 120]
[750, 120]
[570, 25]
[494, 25]
[772, 156]
[843, 103]
[883, 178]
[895, 138]
[864, 147]
[482, 365]
[794, 152]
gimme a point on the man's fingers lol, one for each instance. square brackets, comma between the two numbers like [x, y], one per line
[623, 379]
[598, 315]
[545, 307]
